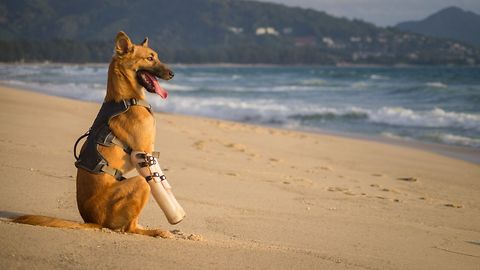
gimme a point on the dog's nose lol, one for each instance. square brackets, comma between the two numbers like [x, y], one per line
[171, 74]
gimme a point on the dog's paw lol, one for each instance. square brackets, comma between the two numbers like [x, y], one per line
[162, 233]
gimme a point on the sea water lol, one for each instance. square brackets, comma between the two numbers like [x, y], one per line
[430, 104]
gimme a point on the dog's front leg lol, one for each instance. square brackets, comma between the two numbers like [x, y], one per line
[148, 167]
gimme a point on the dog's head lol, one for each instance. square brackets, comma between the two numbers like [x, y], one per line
[140, 64]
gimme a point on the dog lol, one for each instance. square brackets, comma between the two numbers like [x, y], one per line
[102, 199]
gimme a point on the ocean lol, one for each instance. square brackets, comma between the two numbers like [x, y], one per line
[428, 104]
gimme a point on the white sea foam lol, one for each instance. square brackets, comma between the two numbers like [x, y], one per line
[436, 85]
[360, 85]
[433, 118]
[391, 135]
[238, 108]
[378, 77]
[439, 137]
[315, 110]
[81, 70]
[221, 107]
[176, 87]
[313, 82]
[459, 140]
[83, 91]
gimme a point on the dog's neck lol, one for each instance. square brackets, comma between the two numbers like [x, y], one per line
[122, 83]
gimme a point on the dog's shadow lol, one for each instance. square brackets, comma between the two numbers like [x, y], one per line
[9, 215]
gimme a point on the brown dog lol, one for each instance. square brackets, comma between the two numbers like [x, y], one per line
[102, 200]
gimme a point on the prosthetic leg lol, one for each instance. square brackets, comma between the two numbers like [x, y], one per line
[147, 165]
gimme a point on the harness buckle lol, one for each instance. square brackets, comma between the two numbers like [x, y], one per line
[113, 172]
[129, 102]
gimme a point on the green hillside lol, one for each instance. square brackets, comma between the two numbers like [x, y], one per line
[452, 22]
[198, 31]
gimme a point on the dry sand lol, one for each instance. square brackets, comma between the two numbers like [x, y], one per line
[259, 198]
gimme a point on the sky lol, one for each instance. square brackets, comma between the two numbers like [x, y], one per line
[382, 12]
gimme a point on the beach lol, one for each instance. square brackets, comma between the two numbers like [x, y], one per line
[255, 197]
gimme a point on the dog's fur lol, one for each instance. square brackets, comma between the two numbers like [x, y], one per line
[102, 200]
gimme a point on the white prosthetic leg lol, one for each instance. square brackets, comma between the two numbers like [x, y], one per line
[148, 167]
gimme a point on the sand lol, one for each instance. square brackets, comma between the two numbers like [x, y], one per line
[255, 197]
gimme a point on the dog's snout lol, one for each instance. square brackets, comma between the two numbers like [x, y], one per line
[171, 74]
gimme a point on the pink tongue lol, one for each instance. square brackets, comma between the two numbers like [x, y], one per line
[158, 89]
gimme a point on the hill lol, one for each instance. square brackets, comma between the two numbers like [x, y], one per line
[452, 22]
[197, 31]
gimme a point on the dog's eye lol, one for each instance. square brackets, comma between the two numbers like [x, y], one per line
[150, 58]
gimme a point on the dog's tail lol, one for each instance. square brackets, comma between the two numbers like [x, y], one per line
[45, 221]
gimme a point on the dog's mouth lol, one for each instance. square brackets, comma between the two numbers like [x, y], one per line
[150, 83]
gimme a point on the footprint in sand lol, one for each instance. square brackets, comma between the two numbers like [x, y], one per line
[389, 190]
[385, 190]
[200, 145]
[319, 169]
[453, 205]
[408, 179]
[345, 191]
[337, 189]
[241, 148]
[237, 147]
[326, 168]
[299, 181]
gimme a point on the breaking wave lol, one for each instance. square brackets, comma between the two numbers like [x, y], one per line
[437, 118]
[383, 101]
[457, 140]
[436, 85]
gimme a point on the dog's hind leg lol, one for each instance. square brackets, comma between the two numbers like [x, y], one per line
[127, 199]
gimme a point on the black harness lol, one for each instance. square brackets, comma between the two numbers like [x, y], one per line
[100, 133]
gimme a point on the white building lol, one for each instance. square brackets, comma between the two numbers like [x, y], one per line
[329, 42]
[266, 31]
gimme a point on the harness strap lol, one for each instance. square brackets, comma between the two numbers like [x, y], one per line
[100, 130]
[122, 145]
[134, 101]
[76, 143]
[114, 139]
[127, 148]
[113, 172]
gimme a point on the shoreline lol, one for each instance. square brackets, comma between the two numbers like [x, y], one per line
[468, 154]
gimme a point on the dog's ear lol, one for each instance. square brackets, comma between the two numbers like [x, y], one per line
[123, 44]
[145, 42]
